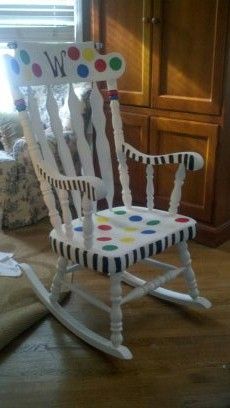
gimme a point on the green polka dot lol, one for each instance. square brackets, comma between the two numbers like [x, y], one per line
[115, 63]
[153, 222]
[120, 212]
[110, 247]
[25, 57]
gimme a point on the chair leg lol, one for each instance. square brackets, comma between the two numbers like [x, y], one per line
[189, 273]
[116, 312]
[56, 284]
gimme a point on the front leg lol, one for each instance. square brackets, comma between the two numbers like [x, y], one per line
[116, 312]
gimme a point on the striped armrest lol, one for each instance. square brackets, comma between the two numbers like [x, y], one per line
[191, 160]
[93, 187]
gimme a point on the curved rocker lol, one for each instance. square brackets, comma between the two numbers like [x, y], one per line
[72, 324]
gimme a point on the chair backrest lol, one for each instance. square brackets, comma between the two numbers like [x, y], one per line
[36, 64]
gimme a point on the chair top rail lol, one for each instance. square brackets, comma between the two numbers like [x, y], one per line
[60, 63]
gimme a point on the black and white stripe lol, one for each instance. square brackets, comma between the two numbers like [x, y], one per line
[111, 264]
[71, 184]
[192, 161]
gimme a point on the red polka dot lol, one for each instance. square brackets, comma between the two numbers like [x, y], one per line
[100, 65]
[104, 227]
[37, 71]
[104, 239]
[182, 219]
[73, 53]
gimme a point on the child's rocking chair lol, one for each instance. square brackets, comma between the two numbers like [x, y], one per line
[107, 241]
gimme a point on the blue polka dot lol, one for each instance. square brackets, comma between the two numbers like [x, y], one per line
[78, 229]
[83, 70]
[148, 232]
[135, 218]
[15, 66]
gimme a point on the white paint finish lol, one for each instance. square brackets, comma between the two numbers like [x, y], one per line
[102, 144]
[114, 238]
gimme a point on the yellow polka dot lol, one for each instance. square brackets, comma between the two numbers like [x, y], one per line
[88, 54]
[127, 240]
[102, 219]
[130, 229]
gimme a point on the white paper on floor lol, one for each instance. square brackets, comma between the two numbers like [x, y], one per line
[8, 266]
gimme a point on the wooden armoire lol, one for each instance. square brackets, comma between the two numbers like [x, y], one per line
[175, 96]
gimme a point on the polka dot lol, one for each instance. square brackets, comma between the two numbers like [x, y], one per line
[104, 239]
[115, 63]
[135, 218]
[153, 222]
[79, 229]
[130, 229]
[104, 227]
[120, 212]
[127, 240]
[182, 219]
[110, 247]
[102, 219]
[73, 53]
[37, 71]
[83, 70]
[88, 54]
[148, 231]
[14, 66]
[25, 57]
[100, 65]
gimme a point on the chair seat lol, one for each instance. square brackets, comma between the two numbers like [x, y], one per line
[123, 237]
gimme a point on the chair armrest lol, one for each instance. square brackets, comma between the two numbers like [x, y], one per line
[93, 187]
[191, 160]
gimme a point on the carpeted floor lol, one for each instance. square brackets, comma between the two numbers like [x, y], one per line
[19, 307]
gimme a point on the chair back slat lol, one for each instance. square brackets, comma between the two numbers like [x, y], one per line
[63, 149]
[102, 144]
[36, 154]
[85, 154]
[119, 140]
[38, 130]
[48, 157]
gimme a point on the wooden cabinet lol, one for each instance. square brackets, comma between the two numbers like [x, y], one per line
[175, 95]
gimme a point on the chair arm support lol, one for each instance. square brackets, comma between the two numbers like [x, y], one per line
[191, 160]
[93, 187]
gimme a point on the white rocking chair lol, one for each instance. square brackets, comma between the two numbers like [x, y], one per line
[111, 240]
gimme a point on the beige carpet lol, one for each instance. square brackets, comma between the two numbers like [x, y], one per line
[19, 307]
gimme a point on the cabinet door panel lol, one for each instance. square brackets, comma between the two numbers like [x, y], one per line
[170, 135]
[136, 129]
[125, 27]
[188, 54]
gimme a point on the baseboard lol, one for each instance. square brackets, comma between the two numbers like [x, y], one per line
[213, 236]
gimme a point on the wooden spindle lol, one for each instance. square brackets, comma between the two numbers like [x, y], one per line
[116, 312]
[176, 193]
[88, 225]
[150, 187]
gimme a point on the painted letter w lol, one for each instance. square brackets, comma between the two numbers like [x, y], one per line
[57, 65]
